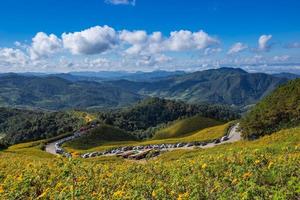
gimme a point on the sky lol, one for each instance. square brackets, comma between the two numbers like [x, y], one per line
[146, 35]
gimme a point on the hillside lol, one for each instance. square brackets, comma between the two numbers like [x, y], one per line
[19, 125]
[57, 93]
[182, 127]
[147, 116]
[223, 86]
[267, 168]
[279, 110]
[101, 135]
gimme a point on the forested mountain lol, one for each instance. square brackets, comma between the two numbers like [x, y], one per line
[279, 110]
[144, 118]
[19, 125]
[57, 93]
[224, 86]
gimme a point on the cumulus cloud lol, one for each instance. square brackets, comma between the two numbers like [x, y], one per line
[13, 56]
[94, 40]
[121, 2]
[264, 42]
[237, 48]
[141, 43]
[44, 45]
[187, 40]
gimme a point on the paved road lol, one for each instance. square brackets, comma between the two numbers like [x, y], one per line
[50, 148]
[234, 136]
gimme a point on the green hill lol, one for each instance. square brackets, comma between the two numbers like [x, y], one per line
[186, 126]
[19, 125]
[223, 86]
[279, 110]
[100, 135]
[146, 117]
[57, 93]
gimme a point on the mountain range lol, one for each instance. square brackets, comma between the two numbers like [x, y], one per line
[229, 86]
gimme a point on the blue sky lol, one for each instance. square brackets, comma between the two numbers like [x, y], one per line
[94, 35]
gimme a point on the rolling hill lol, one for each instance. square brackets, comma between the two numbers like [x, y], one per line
[280, 109]
[224, 86]
[57, 93]
[182, 127]
[100, 135]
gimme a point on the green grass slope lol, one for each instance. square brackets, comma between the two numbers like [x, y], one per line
[279, 110]
[100, 135]
[186, 126]
[207, 134]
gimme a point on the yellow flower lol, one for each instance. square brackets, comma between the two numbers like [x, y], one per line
[257, 161]
[204, 166]
[270, 165]
[234, 181]
[119, 194]
[183, 196]
[247, 175]
[153, 193]
[1, 189]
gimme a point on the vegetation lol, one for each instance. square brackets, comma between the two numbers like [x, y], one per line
[148, 116]
[267, 168]
[56, 93]
[279, 110]
[220, 86]
[186, 126]
[205, 135]
[18, 125]
[99, 136]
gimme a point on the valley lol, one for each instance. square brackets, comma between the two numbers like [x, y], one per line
[155, 148]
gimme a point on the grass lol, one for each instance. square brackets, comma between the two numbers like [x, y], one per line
[99, 136]
[206, 134]
[267, 168]
[185, 127]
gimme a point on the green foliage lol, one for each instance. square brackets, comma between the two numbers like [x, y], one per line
[222, 86]
[146, 117]
[98, 136]
[279, 110]
[56, 93]
[186, 126]
[20, 125]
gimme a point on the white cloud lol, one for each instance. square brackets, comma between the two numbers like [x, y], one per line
[94, 40]
[281, 58]
[264, 42]
[134, 37]
[44, 45]
[142, 43]
[237, 48]
[210, 51]
[13, 56]
[121, 2]
[186, 40]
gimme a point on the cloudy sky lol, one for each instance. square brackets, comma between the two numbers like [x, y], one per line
[144, 35]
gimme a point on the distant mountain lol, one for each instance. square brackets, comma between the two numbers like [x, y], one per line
[229, 86]
[58, 93]
[280, 109]
[289, 76]
[117, 75]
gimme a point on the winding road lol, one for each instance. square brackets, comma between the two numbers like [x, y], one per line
[233, 136]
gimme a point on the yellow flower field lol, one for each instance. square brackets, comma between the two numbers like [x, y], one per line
[264, 169]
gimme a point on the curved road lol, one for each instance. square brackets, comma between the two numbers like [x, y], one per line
[50, 148]
[233, 136]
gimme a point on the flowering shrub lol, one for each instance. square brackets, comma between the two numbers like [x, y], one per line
[264, 169]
